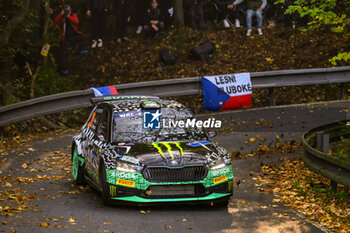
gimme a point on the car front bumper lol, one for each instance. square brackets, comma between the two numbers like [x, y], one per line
[132, 187]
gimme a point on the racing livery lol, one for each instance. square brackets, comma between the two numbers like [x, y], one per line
[118, 155]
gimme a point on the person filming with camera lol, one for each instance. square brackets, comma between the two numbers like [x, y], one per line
[68, 23]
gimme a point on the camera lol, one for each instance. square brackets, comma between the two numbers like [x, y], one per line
[66, 9]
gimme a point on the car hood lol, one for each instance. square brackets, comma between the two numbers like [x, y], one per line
[172, 154]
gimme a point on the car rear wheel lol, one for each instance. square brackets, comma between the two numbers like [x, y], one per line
[104, 185]
[78, 169]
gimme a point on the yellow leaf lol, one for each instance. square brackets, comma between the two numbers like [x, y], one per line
[44, 224]
[24, 165]
[8, 185]
[107, 223]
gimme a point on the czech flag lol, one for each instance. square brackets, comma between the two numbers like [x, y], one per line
[104, 91]
[225, 92]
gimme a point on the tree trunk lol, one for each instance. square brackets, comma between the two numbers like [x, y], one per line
[13, 22]
[179, 13]
[46, 25]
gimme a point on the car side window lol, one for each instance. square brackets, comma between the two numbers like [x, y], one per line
[102, 128]
[95, 118]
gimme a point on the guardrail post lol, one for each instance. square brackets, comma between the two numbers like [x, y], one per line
[272, 96]
[322, 141]
[325, 143]
[342, 91]
[319, 139]
[334, 186]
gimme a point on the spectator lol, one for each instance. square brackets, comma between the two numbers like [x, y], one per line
[254, 7]
[167, 11]
[98, 9]
[122, 8]
[153, 22]
[227, 8]
[195, 14]
[141, 7]
[68, 24]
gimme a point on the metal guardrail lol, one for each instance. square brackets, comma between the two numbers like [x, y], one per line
[174, 87]
[330, 166]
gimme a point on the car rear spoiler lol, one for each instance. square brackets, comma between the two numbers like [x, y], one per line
[99, 99]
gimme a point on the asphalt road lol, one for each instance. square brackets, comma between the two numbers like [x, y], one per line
[53, 204]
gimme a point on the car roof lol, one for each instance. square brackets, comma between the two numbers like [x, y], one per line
[126, 103]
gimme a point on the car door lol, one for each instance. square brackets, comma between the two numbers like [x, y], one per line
[99, 140]
[90, 141]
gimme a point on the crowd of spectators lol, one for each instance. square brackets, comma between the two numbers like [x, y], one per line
[152, 16]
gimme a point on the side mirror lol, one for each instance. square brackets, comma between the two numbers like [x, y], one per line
[212, 134]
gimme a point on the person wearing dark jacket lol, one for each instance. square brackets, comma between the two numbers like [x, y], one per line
[195, 14]
[226, 8]
[141, 6]
[97, 9]
[153, 22]
[122, 8]
[68, 23]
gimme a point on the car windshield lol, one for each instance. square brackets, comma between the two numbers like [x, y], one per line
[128, 127]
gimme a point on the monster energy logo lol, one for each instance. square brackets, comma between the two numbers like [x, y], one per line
[168, 147]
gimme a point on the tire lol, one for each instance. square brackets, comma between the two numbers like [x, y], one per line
[104, 185]
[77, 169]
[223, 204]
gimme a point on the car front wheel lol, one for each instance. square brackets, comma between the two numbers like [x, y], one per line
[78, 169]
[104, 185]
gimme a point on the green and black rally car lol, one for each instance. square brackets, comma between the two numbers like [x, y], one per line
[133, 149]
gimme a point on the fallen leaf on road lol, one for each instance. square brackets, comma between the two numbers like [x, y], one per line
[44, 224]
[107, 223]
[24, 165]
[8, 185]
[167, 227]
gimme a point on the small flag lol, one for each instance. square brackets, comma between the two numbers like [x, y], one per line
[104, 91]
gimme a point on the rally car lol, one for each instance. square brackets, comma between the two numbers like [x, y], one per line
[124, 152]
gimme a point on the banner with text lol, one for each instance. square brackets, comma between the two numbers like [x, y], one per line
[225, 92]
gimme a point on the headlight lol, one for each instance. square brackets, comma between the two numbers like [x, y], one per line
[218, 166]
[220, 163]
[126, 167]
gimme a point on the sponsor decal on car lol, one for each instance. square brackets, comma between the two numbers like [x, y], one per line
[220, 171]
[220, 179]
[112, 191]
[129, 159]
[127, 183]
[168, 147]
[125, 175]
[197, 143]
